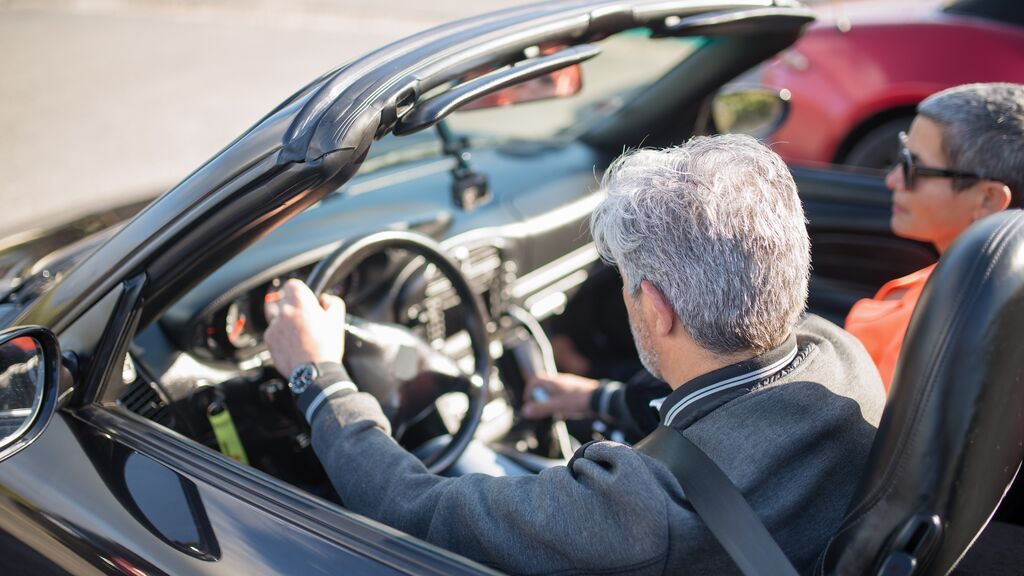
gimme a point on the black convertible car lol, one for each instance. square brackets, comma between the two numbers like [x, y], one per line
[144, 430]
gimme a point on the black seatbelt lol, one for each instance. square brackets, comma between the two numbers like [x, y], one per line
[718, 503]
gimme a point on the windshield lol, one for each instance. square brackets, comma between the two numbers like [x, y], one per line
[628, 63]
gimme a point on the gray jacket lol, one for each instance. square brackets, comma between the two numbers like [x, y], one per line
[792, 429]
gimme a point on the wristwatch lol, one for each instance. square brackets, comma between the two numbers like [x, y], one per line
[312, 384]
[303, 376]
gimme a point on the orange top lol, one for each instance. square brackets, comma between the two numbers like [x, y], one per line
[881, 322]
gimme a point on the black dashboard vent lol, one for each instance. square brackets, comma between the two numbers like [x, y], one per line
[145, 401]
[482, 265]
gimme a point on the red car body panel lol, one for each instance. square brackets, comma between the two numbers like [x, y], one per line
[843, 83]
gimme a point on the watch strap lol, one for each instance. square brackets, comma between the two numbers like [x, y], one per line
[332, 380]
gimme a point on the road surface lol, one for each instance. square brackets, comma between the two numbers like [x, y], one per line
[109, 100]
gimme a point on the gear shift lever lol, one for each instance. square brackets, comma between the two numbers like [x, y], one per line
[536, 356]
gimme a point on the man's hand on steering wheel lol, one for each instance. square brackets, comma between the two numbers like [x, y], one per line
[303, 329]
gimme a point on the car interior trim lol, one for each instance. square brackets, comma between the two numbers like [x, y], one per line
[556, 270]
[102, 367]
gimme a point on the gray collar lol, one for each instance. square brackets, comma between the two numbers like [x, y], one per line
[696, 398]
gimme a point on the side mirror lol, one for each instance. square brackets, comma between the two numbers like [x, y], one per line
[748, 110]
[29, 380]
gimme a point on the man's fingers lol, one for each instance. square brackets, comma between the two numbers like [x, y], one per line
[297, 293]
[539, 389]
[272, 306]
[561, 406]
[532, 384]
[291, 292]
[332, 304]
[541, 381]
[537, 410]
[536, 406]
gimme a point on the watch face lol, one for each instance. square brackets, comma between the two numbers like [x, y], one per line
[302, 377]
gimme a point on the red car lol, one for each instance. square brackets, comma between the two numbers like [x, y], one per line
[856, 76]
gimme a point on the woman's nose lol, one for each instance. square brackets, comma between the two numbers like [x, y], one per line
[894, 179]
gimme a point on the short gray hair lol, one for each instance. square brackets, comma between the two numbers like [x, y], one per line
[982, 132]
[717, 226]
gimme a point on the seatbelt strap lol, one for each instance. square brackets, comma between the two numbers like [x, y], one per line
[718, 503]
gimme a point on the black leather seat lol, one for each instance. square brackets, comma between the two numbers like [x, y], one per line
[951, 439]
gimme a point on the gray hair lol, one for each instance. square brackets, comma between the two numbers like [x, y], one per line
[717, 226]
[982, 132]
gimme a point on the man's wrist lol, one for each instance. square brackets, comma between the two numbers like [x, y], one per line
[331, 380]
[601, 399]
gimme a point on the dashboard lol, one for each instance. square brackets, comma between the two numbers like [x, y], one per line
[391, 286]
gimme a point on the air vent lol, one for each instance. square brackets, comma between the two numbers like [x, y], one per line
[480, 264]
[143, 399]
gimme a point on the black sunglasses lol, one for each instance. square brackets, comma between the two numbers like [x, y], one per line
[911, 170]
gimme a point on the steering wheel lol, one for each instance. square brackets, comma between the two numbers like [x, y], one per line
[396, 366]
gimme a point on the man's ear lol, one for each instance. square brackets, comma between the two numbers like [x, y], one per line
[995, 197]
[660, 314]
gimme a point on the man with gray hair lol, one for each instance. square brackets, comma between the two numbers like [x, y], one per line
[673, 218]
[710, 239]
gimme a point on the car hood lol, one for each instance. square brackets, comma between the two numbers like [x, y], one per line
[58, 247]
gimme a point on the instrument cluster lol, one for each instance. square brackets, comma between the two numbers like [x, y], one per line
[235, 331]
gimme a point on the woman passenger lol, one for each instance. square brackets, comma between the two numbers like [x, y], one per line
[962, 160]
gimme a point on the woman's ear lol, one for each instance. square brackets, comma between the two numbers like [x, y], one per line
[995, 197]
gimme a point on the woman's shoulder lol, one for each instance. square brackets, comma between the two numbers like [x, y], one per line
[904, 284]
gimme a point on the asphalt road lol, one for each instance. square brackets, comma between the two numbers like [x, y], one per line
[109, 100]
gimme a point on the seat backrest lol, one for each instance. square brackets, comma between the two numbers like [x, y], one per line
[951, 438]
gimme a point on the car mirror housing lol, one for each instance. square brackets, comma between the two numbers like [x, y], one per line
[748, 110]
[29, 381]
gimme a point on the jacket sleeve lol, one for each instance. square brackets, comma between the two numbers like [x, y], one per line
[626, 406]
[606, 511]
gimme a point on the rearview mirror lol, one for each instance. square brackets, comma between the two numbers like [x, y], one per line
[558, 84]
[749, 110]
[29, 375]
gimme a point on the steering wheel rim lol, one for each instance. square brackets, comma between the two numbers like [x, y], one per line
[350, 254]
